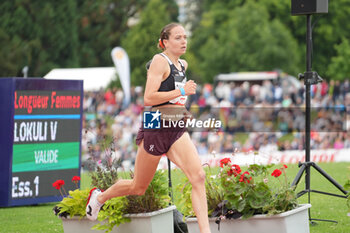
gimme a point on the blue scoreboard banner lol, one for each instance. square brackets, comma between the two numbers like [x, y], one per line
[40, 138]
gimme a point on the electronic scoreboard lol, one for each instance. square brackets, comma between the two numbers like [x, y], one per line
[40, 138]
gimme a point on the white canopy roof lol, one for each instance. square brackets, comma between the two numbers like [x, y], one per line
[94, 78]
[247, 76]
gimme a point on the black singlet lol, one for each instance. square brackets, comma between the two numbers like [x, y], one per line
[175, 80]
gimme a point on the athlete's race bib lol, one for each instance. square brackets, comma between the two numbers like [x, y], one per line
[180, 81]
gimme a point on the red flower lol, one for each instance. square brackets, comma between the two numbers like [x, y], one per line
[244, 178]
[58, 184]
[224, 161]
[276, 173]
[285, 166]
[75, 179]
[235, 170]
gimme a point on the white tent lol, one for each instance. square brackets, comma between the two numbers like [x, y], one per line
[94, 78]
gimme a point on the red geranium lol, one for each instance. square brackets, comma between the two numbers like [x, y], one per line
[285, 166]
[75, 179]
[244, 178]
[224, 161]
[276, 173]
[58, 184]
[235, 170]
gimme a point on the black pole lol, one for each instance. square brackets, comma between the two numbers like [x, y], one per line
[308, 100]
[170, 183]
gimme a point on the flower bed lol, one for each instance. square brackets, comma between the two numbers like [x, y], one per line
[233, 193]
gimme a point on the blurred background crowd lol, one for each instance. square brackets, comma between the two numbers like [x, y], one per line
[263, 117]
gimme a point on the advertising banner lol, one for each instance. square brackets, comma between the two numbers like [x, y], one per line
[122, 64]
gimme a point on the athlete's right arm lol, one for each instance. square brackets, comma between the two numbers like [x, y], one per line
[158, 70]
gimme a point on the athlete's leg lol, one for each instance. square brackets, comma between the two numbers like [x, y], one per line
[184, 154]
[145, 167]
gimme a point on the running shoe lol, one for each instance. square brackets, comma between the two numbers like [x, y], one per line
[93, 206]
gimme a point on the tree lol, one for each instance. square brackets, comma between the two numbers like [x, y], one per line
[102, 24]
[339, 66]
[196, 9]
[101, 27]
[141, 41]
[242, 39]
[50, 34]
[11, 55]
[204, 38]
[328, 32]
[45, 33]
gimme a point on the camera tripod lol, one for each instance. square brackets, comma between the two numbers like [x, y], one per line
[310, 77]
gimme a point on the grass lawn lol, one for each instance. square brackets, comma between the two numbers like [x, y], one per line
[40, 218]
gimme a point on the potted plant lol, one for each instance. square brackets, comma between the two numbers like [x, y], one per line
[147, 213]
[255, 200]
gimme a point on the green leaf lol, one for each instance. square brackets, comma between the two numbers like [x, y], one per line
[257, 203]
[240, 205]
[248, 213]
[262, 190]
[239, 188]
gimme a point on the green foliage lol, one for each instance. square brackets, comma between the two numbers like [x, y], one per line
[245, 35]
[172, 9]
[327, 33]
[233, 193]
[103, 179]
[214, 193]
[104, 172]
[49, 34]
[141, 41]
[102, 24]
[112, 214]
[156, 196]
[185, 203]
[246, 40]
[284, 200]
[74, 204]
[338, 67]
[252, 192]
[277, 41]
[12, 52]
[46, 40]
[113, 211]
[94, 18]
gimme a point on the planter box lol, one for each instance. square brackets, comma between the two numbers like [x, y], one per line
[296, 220]
[160, 221]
